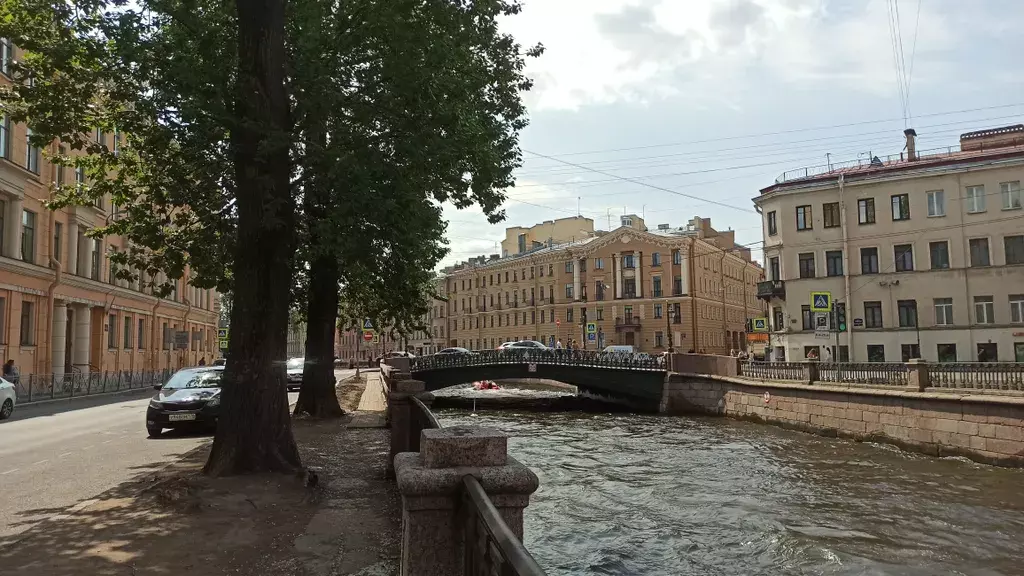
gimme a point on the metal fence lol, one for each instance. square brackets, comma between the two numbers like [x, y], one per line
[976, 375]
[870, 373]
[772, 370]
[561, 357]
[491, 546]
[39, 387]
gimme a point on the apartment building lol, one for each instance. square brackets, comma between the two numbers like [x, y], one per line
[519, 240]
[690, 287]
[62, 309]
[924, 249]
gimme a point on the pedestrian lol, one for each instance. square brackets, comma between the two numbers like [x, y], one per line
[558, 345]
[11, 373]
[982, 356]
[202, 361]
[827, 357]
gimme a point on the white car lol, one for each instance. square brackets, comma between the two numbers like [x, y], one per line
[8, 398]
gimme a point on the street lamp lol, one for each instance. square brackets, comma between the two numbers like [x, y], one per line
[669, 316]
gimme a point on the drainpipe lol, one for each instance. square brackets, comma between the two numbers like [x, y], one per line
[693, 298]
[846, 273]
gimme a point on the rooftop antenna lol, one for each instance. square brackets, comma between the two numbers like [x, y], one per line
[577, 206]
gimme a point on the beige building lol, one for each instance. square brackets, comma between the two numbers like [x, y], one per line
[350, 344]
[691, 287]
[519, 240]
[925, 250]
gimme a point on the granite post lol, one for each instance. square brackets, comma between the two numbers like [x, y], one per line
[431, 483]
[917, 374]
[402, 418]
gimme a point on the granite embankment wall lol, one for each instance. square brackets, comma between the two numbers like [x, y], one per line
[983, 427]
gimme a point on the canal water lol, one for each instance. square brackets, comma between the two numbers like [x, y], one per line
[650, 495]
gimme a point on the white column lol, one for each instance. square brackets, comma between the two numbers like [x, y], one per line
[58, 340]
[576, 279]
[71, 265]
[684, 275]
[84, 255]
[80, 348]
[12, 228]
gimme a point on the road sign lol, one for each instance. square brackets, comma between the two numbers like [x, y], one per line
[821, 301]
[367, 336]
[591, 336]
[222, 333]
[558, 322]
[822, 334]
[223, 343]
[760, 324]
[820, 321]
[367, 325]
[376, 338]
[858, 322]
[591, 328]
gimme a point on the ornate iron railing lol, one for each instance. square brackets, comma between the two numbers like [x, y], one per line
[874, 373]
[548, 356]
[772, 370]
[976, 375]
[37, 387]
[491, 546]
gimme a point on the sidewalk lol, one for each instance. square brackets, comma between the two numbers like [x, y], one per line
[175, 520]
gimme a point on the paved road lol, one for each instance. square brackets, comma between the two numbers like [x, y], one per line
[54, 456]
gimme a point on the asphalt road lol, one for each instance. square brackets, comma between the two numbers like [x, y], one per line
[56, 455]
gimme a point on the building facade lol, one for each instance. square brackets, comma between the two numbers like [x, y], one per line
[351, 345]
[62, 309]
[519, 240]
[688, 288]
[924, 250]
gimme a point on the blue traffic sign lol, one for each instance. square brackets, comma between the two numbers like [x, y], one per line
[821, 301]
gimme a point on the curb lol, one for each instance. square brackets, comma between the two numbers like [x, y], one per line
[85, 396]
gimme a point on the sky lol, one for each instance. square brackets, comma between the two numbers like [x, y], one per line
[679, 108]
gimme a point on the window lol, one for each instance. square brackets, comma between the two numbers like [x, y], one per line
[112, 269]
[936, 203]
[979, 251]
[1011, 195]
[807, 316]
[873, 314]
[543, 317]
[3, 320]
[657, 310]
[830, 212]
[803, 218]
[1017, 308]
[901, 207]
[907, 310]
[677, 256]
[6, 56]
[659, 339]
[28, 236]
[28, 323]
[869, 260]
[31, 153]
[774, 268]
[167, 338]
[112, 331]
[773, 226]
[876, 353]
[656, 286]
[975, 199]
[1014, 248]
[943, 311]
[600, 314]
[568, 291]
[656, 259]
[677, 285]
[100, 136]
[58, 240]
[79, 178]
[866, 211]
[834, 262]
[777, 318]
[939, 252]
[568, 268]
[903, 255]
[5, 137]
[598, 264]
[568, 315]
[908, 351]
[551, 269]
[984, 310]
[628, 262]
[140, 340]
[807, 265]
[946, 352]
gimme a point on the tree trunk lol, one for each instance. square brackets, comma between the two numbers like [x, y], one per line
[254, 432]
[318, 396]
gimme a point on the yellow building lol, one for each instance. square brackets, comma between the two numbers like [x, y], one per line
[690, 287]
[61, 308]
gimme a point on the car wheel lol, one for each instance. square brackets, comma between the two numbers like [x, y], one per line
[154, 431]
[6, 409]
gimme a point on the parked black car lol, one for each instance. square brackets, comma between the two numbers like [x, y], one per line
[189, 399]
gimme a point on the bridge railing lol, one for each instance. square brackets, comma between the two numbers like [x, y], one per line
[456, 477]
[548, 356]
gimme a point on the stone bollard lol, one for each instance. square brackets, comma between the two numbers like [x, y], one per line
[917, 374]
[430, 481]
[810, 371]
[400, 412]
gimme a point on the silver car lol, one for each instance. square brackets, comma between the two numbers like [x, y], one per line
[8, 398]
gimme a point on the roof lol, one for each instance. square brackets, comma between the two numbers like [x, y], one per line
[863, 168]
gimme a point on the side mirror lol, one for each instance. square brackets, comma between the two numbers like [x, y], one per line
[157, 386]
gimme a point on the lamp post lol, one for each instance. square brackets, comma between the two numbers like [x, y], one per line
[669, 315]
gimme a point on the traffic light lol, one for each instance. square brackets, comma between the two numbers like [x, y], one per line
[840, 312]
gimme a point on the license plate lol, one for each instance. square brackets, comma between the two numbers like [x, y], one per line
[180, 417]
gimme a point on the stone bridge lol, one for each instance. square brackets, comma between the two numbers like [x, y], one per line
[634, 379]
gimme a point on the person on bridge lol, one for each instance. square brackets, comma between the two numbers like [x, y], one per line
[558, 345]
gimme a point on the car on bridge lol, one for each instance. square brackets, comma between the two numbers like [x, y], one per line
[189, 399]
[8, 398]
[455, 350]
[527, 344]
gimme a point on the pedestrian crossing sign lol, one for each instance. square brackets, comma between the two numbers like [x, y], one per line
[368, 325]
[821, 301]
[591, 328]
[760, 324]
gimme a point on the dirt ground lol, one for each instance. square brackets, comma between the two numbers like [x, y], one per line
[174, 520]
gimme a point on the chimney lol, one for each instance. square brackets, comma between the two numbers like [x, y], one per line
[911, 146]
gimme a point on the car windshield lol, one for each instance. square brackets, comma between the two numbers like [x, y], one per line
[194, 379]
[296, 363]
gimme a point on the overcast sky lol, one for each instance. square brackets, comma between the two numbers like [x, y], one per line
[711, 100]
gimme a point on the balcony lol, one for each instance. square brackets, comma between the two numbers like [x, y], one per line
[771, 289]
[627, 324]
